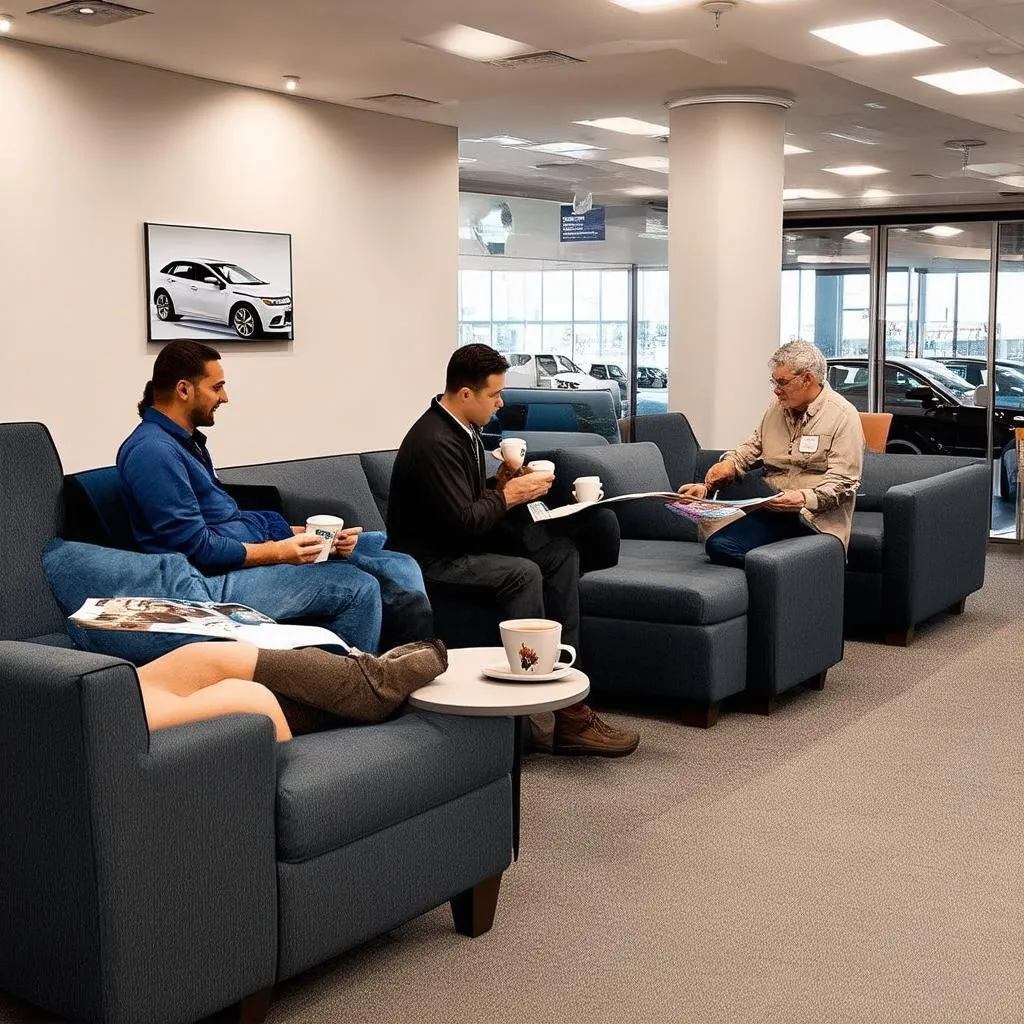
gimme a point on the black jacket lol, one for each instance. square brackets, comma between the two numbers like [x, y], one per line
[440, 504]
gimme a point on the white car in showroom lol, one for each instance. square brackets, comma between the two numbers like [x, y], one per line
[223, 292]
[547, 370]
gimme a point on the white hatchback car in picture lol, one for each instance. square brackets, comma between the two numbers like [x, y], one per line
[242, 293]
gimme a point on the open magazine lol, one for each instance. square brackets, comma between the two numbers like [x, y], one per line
[200, 618]
[697, 508]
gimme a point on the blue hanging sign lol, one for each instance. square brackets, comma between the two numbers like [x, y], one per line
[582, 227]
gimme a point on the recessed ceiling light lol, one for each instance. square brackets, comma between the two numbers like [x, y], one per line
[467, 160]
[561, 147]
[86, 11]
[6, 22]
[291, 82]
[876, 193]
[858, 236]
[972, 81]
[856, 170]
[789, 150]
[807, 193]
[872, 38]
[646, 163]
[643, 191]
[464, 41]
[626, 125]
[876, 106]
[847, 137]
[649, 5]
[943, 231]
[994, 170]
[505, 140]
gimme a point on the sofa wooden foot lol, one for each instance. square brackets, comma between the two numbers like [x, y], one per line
[816, 682]
[700, 716]
[473, 909]
[253, 1009]
[900, 639]
[758, 703]
[958, 608]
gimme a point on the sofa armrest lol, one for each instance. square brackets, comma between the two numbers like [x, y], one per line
[596, 535]
[795, 614]
[129, 862]
[936, 533]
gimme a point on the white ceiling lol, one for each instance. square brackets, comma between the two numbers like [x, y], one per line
[632, 62]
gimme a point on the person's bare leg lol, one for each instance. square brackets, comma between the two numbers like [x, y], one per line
[196, 666]
[225, 697]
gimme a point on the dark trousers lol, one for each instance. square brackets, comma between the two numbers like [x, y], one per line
[730, 544]
[530, 574]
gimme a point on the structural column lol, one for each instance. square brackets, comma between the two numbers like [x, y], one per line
[725, 243]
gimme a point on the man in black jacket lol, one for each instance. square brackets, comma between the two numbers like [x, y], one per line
[464, 532]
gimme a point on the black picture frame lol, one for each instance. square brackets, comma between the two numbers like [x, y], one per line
[219, 285]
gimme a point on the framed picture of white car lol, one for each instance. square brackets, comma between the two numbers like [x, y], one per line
[218, 283]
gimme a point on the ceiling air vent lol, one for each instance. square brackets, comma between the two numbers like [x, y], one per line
[540, 59]
[400, 99]
[94, 13]
[925, 174]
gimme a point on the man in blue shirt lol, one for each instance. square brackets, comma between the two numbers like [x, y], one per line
[176, 503]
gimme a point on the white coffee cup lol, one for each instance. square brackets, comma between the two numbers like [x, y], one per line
[533, 646]
[541, 466]
[327, 528]
[513, 452]
[587, 488]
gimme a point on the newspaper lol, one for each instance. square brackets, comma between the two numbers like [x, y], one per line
[200, 618]
[705, 508]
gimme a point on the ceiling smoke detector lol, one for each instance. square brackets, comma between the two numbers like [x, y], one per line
[95, 13]
[718, 8]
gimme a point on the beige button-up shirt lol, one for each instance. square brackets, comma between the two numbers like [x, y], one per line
[820, 453]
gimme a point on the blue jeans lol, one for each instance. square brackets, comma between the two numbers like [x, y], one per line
[730, 544]
[352, 597]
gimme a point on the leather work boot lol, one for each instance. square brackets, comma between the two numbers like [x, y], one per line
[579, 730]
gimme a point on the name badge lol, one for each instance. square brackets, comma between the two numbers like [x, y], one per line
[808, 444]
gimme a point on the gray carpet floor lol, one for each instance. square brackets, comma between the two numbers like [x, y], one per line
[856, 857]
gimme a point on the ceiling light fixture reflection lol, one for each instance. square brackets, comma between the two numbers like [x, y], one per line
[807, 193]
[858, 236]
[291, 82]
[856, 170]
[877, 193]
[473, 44]
[626, 126]
[643, 191]
[847, 137]
[467, 160]
[972, 81]
[562, 147]
[1013, 180]
[6, 22]
[943, 231]
[645, 163]
[506, 140]
[791, 150]
[873, 38]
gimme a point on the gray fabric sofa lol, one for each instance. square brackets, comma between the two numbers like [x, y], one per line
[161, 877]
[665, 621]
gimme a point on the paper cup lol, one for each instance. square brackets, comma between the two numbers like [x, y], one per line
[327, 528]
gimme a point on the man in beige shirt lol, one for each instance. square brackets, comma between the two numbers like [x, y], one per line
[812, 445]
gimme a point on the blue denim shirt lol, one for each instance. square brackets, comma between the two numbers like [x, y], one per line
[175, 502]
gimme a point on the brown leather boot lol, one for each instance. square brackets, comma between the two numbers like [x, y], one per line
[579, 730]
[316, 688]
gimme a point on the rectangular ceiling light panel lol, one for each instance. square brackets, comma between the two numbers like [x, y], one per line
[645, 163]
[563, 147]
[627, 126]
[856, 170]
[873, 38]
[651, 5]
[471, 43]
[972, 81]
[790, 150]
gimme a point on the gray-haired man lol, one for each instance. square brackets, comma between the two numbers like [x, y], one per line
[812, 445]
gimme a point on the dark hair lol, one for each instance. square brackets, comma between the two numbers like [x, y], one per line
[471, 365]
[178, 360]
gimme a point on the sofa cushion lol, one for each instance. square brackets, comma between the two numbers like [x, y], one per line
[665, 581]
[866, 542]
[332, 485]
[30, 514]
[330, 784]
[378, 467]
[77, 571]
[95, 511]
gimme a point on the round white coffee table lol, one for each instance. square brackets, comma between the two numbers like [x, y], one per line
[464, 690]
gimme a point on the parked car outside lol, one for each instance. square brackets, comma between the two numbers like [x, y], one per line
[207, 289]
[550, 370]
[1009, 378]
[933, 408]
[611, 371]
[651, 377]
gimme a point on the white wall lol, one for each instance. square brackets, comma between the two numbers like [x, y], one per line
[92, 148]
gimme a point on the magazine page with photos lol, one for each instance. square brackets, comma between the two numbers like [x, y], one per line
[200, 618]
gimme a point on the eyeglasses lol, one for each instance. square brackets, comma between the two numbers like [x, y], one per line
[781, 385]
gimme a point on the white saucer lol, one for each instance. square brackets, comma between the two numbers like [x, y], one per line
[503, 673]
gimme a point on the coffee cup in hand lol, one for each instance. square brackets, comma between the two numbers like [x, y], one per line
[513, 452]
[587, 488]
[533, 646]
[327, 528]
[541, 466]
